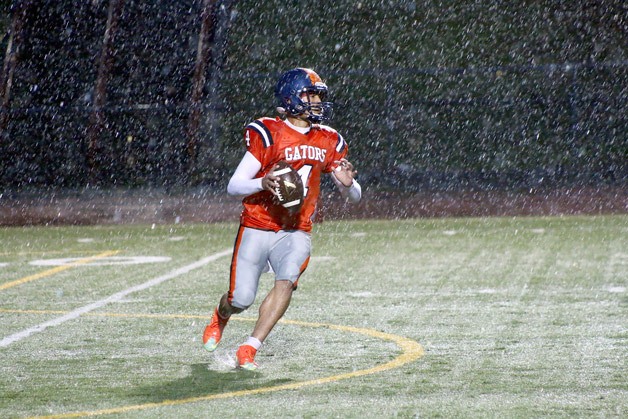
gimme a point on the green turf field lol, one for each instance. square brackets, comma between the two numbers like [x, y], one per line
[492, 317]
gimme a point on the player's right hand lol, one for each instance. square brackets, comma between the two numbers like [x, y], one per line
[269, 183]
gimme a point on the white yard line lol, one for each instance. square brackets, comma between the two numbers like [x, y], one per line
[111, 299]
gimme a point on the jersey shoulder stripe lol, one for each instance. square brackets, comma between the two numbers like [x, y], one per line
[341, 144]
[262, 130]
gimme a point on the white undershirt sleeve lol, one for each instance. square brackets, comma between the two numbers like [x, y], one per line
[243, 181]
[352, 193]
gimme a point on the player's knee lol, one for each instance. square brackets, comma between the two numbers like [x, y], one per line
[285, 286]
[243, 298]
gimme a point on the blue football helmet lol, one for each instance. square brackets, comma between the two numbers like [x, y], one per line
[292, 84]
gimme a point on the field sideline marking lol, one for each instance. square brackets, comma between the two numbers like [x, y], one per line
[58, 269]
[411, 351]
[111, 299]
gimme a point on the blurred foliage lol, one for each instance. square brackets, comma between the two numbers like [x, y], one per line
[433, 93]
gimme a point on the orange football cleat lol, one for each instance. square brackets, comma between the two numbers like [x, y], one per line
[245, 357]
[213, 331]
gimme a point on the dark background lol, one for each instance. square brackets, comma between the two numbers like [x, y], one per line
[438, 95]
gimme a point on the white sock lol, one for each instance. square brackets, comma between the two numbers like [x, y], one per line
[254, 342]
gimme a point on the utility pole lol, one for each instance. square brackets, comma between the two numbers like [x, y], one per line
[19, 11]
[198, 83]
[97, 119]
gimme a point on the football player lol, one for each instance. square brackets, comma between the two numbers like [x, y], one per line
[270, 236]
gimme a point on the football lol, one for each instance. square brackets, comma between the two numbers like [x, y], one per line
[289, 193]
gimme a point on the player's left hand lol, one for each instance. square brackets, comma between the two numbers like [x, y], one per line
[345, 172]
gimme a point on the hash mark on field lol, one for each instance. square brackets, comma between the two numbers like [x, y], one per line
[487, 291]
[111, 299]
[363, 294]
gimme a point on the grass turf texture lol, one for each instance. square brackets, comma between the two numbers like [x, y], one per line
[518, 317]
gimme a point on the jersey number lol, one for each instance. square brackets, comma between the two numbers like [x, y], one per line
[305, 173]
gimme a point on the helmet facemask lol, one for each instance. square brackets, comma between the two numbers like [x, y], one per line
[318, 111]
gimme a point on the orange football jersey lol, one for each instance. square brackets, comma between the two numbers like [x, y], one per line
[311, 154]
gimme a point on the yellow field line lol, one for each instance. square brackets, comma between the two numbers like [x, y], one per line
[57, 269]
[411, 351]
